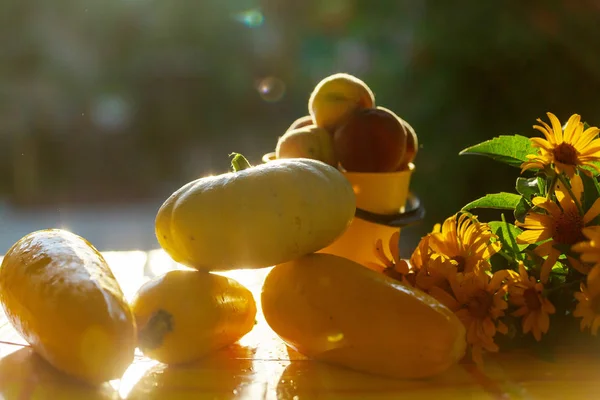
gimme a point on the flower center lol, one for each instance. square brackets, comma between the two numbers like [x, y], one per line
[567, 228]
[479, 305]
[532, 300]
[566, 154]
[461, 263]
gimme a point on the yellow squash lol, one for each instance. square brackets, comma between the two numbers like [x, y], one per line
[185, 315]
[257, 216]
[61, 296]
[332, 309]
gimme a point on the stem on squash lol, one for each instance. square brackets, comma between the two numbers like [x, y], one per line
[239, 162]
[152, 334]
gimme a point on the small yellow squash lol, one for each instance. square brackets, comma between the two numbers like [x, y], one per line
[332, 309]
[185, 315]
[61, 296]
[256, 217]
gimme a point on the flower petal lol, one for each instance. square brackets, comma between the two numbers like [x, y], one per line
[593, 282]
[539, 142]
[548, 264]
[571, 127]
[444, 297]
[533, 236]
[546, 131]
[585, 138]
[556, 127]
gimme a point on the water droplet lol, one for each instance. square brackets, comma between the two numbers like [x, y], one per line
[271, 89]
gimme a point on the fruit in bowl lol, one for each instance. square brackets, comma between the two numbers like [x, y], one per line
[412, 141]
[301, 123]
[372, 140]
[307, 142]
[334, 98]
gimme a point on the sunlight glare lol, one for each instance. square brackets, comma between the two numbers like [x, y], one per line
[159, 263]
[128, 269]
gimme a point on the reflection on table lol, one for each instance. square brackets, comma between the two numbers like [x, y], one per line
[260, 366]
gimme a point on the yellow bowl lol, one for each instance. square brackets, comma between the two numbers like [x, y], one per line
[382, 208]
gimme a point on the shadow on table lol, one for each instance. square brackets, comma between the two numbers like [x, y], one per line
[228, 374]
[25, 375]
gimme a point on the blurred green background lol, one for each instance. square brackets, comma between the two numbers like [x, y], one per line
[107, 107]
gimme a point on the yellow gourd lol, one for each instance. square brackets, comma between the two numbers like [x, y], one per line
[256, 217]
[185, 315]
[332, 309]
[61, 296]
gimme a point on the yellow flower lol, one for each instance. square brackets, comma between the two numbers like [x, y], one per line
[525, 292]
[478, 302]
[436, 272]
[565, 150]
[590, 250]
[562, 224]
[393, 266]
[465, 240]
[588, 306]
[422, 253]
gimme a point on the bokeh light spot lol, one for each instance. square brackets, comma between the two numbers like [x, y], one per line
[271, 89]
[250, 18]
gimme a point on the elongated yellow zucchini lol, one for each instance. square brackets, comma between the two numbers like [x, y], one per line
[61, 296]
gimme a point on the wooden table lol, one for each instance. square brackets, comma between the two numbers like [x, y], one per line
[261, 367]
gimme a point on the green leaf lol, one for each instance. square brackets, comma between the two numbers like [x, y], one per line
[528, 187]
[591, 190]
[507, 233]
[542, 185]
[590, 169]
[502, 201]
[498, 262]
[521, 209]
[509, 149]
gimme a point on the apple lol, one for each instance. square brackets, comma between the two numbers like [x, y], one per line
[372, 140]
[412, 141]
[307, 142]
[334, 98]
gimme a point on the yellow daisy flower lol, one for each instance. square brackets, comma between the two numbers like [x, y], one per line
[465, 240]
[393, 266]
[588, 306]
[422, 253]
[436, 272]
[590, 250]
[562, 224]
[525, 292]
[565, 150]
[478, 301]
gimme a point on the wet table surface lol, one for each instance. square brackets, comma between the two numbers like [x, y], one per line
[261, 367]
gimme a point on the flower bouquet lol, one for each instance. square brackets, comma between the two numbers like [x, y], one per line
[528, 277]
